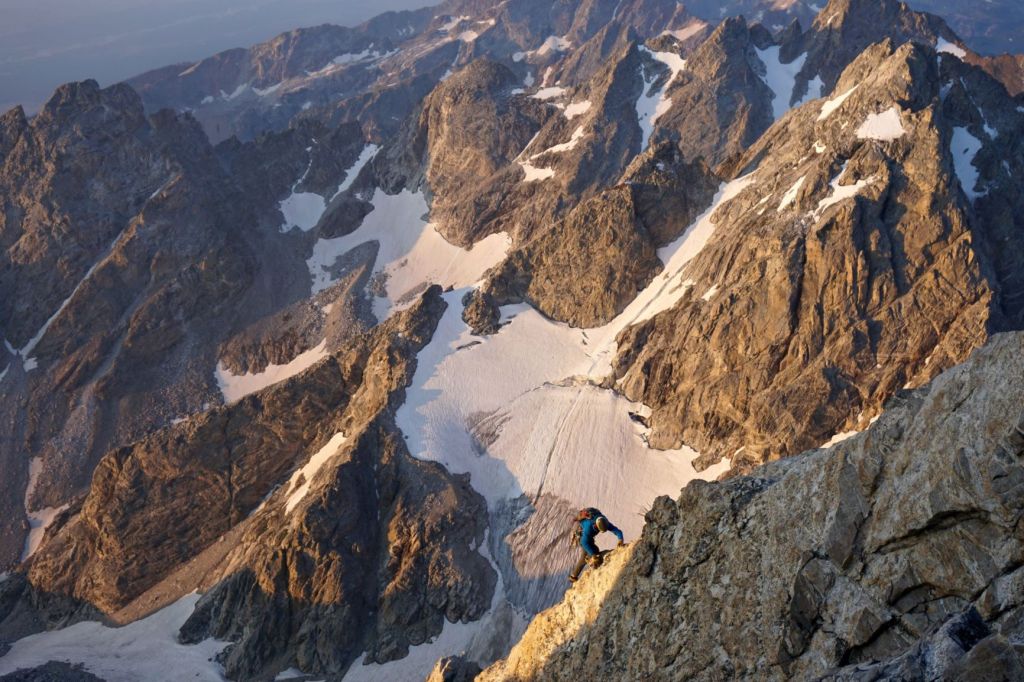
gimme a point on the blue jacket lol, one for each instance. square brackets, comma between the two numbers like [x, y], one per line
[590, 531]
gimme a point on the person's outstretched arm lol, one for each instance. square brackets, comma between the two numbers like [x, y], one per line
[610, 527]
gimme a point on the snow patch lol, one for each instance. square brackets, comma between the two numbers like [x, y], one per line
[553, 44]
[302, 210]
[964, 148]
[577, 135]
[268, 91]
[779, 77]
[884, 126]
[533, 174]
[344, 60]
[577, 109]
[39, 520]
[453, 22]
[841, 192]
[688, 31]
[234, 387]
[468, 36]
[549, 93]
[839, 438]
[234, 94]
[831, 105]
[297, 490]
[710, 293]
[147, 649]
[207, 100]
[944, 46]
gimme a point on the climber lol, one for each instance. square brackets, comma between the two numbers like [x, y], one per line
[589, 522]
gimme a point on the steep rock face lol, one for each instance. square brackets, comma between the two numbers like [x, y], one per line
[51, 155]
[586, 268]
[864, 268]
[97, 284]
[719, 104]
[368, 548]
[1008, 69]
[894, 553]
[221, 463]
[132, 248]
[472, 127]
[195, 480]
[347, 545]
[845, 28]
[373, 562]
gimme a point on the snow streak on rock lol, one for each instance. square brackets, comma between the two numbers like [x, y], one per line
[37, 520]
[965, 147]
[369, 151]
[831, 105]
[652, 104]
[781, 78]
[300, 481]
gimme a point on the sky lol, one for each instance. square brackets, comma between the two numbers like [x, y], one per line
[44, 43]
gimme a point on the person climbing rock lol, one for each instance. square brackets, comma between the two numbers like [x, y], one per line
[589, 523]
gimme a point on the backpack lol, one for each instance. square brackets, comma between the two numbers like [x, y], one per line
[577, 526]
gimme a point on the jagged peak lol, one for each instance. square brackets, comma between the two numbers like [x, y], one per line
[73, 99]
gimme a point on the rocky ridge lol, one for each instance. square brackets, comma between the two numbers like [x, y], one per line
[891, 555]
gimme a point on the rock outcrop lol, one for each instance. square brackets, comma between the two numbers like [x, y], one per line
[891, 555]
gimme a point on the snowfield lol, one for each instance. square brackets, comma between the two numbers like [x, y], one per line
[410, 252]
[147, 649]
[521, 410]
[522, 413]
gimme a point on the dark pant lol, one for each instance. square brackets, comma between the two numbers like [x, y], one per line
[593, 559]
